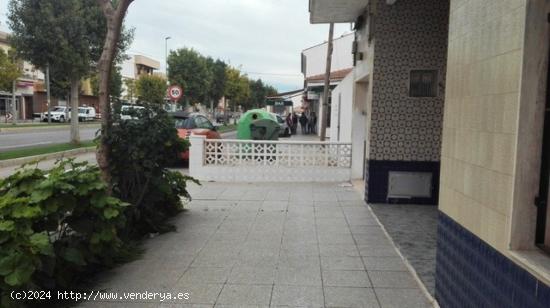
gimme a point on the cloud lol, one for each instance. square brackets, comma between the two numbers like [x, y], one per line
[263, 37]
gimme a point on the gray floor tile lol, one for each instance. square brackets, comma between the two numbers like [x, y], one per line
[299, 261]
[200, 275]
[235, 294]
[297, 296]
[298, 276]
[397, 298]
[346, 279]
[338, 250]
[342, 263]
[350, 297]
[384, 264]
[244, 274]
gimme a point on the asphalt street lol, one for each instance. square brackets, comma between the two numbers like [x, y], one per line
[40, 137]
[26, 138]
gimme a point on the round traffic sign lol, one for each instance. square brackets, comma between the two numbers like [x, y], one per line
[175, 92]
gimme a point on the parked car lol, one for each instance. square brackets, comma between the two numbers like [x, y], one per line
[126, 112]
[285, 130]
[86, 114]
[189, 124]
[57, 114]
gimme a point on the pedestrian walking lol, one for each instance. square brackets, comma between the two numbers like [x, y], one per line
[289, 123]
[294, 123]
[303, 123]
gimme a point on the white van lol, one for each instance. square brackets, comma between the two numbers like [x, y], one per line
[125, 112]
[86, 114]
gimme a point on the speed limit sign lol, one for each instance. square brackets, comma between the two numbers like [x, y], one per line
[175, 93]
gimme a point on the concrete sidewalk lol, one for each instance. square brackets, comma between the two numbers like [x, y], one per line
[270, 245]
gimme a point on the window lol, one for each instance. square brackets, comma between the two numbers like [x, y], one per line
[423, 83]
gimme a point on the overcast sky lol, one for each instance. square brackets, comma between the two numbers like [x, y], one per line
[263, 37]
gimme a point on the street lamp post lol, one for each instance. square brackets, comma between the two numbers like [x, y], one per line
[166, 55]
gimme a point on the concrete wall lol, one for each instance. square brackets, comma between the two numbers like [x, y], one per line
[316, 56]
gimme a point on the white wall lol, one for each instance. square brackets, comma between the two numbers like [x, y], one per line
[342, 57]
[342, 102]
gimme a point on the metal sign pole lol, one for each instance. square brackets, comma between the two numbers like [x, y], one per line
[48, 93]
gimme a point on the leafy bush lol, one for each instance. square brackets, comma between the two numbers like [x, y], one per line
[56, 225]
[141, 150]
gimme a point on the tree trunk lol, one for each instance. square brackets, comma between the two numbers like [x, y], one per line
[114, 17]
[75, 89]
[324, 114]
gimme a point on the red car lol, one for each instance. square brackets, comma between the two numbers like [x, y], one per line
[196, 124]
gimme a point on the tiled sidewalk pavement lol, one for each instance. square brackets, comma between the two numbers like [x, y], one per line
[261, 245]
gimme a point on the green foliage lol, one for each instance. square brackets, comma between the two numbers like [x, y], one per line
[115, 84]
[141, 150]
[55, 225]
[68, 35]
[9, 71]
[131, 91]
[216, 88]
[188, 68]
[151, 89]
[237, 89]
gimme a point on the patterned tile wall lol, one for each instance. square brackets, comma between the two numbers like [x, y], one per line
[409, 35]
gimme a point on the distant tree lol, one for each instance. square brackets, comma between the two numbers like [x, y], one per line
[131, 92]
[115, 84]
[216, 90]
[151, 89]
[9, 71]
[189, 69]
[237, 88]
[270, 91]
[258, 94]
[64, 34]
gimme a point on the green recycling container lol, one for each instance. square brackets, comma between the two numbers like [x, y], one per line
[258, 124]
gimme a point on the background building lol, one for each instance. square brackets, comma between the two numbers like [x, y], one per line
[314, 69]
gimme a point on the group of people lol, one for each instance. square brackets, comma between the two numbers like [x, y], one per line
[307, 123]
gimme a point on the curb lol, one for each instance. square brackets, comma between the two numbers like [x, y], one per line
[408, 265]
[56, 155]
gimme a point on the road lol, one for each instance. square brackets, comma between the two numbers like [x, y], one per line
[90, 157]
[35, 136]
[12, 140]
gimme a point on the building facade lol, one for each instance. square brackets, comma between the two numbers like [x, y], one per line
[459, 90]
[314, 69]
[132, 69]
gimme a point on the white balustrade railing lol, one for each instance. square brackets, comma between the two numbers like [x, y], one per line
[221, 152]
[269, 161]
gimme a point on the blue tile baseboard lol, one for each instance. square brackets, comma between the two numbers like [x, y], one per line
[376, 182]
[470, 273]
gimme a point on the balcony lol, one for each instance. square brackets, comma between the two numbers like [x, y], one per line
[336, 11]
